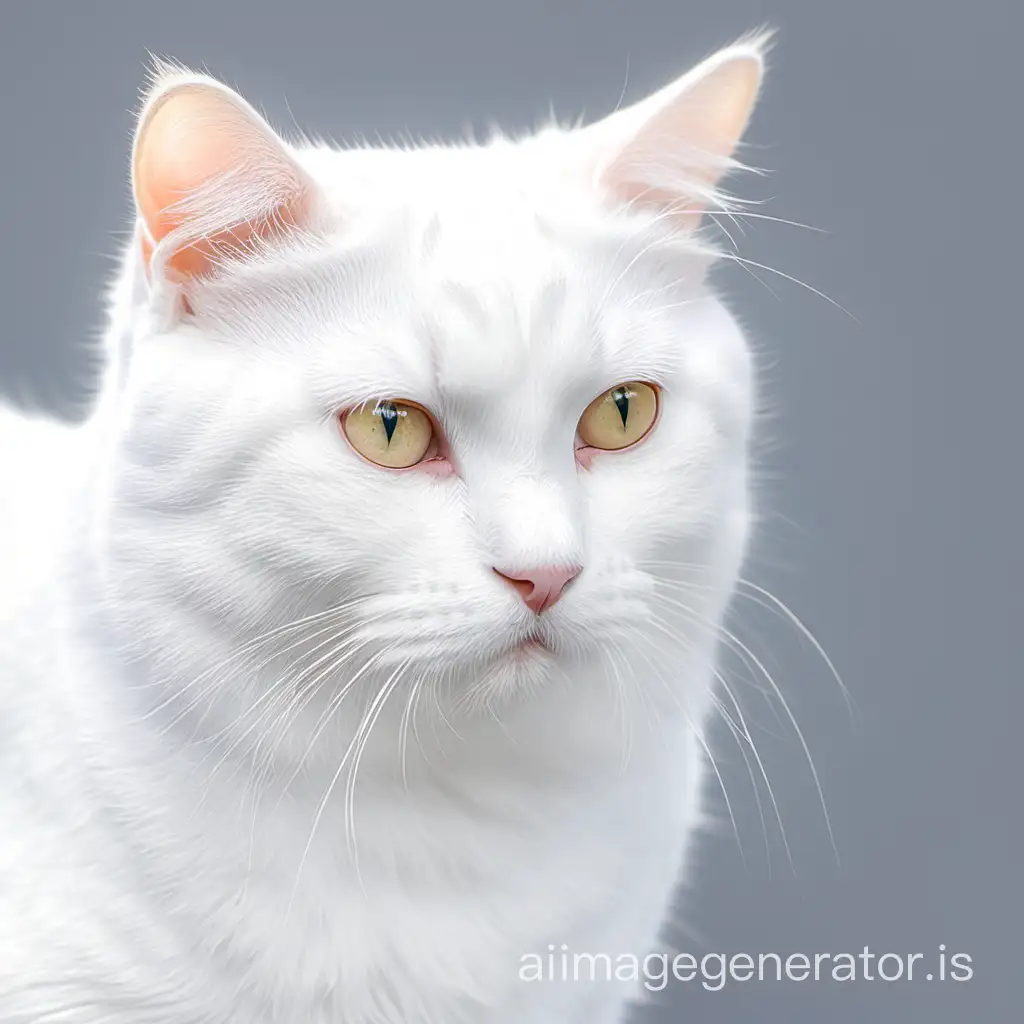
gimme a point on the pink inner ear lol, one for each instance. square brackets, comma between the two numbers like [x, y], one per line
[200, 257]
[194, 137]
[683, 211]
[676, 144]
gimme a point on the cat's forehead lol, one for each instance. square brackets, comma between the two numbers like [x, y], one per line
[477, 287]
[501, 296]
[514, 298]
[488, 231]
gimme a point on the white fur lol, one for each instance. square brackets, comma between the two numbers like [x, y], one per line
[180, 837]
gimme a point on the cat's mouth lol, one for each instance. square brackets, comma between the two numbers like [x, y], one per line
[533, 644]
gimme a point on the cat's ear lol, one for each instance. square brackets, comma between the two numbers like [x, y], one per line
[669, 151]
[210, 177]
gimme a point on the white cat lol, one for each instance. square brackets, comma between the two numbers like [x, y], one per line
[361, 645]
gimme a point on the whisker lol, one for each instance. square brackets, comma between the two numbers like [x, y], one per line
[730, 637]
[350, 789]
[403, 727]
[792, 617]
[794, 280]
[657, 621]
[699, 736]
[321, 807]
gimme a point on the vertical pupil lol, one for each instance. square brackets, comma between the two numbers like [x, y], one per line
[389, 417]
[620, 396]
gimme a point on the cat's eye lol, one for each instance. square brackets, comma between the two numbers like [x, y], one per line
[393, 434]
[620, 417]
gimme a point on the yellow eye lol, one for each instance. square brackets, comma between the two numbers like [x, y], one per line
[620, 417]
[395, 435]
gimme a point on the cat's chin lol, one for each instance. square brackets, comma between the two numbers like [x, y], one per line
[520, 669]
[511, 680]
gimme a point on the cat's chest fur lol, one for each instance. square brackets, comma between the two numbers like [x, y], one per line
[449, 898]
[176, 903]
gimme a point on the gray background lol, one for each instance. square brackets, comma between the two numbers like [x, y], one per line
[890, 482]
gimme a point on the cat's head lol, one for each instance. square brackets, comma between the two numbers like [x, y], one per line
[469, 411]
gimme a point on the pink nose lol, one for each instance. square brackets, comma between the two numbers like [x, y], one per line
[540, 588]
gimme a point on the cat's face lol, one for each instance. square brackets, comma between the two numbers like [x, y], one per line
[485, 376]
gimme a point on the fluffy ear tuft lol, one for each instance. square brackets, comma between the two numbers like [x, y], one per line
[668, 151]
[211, 179]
